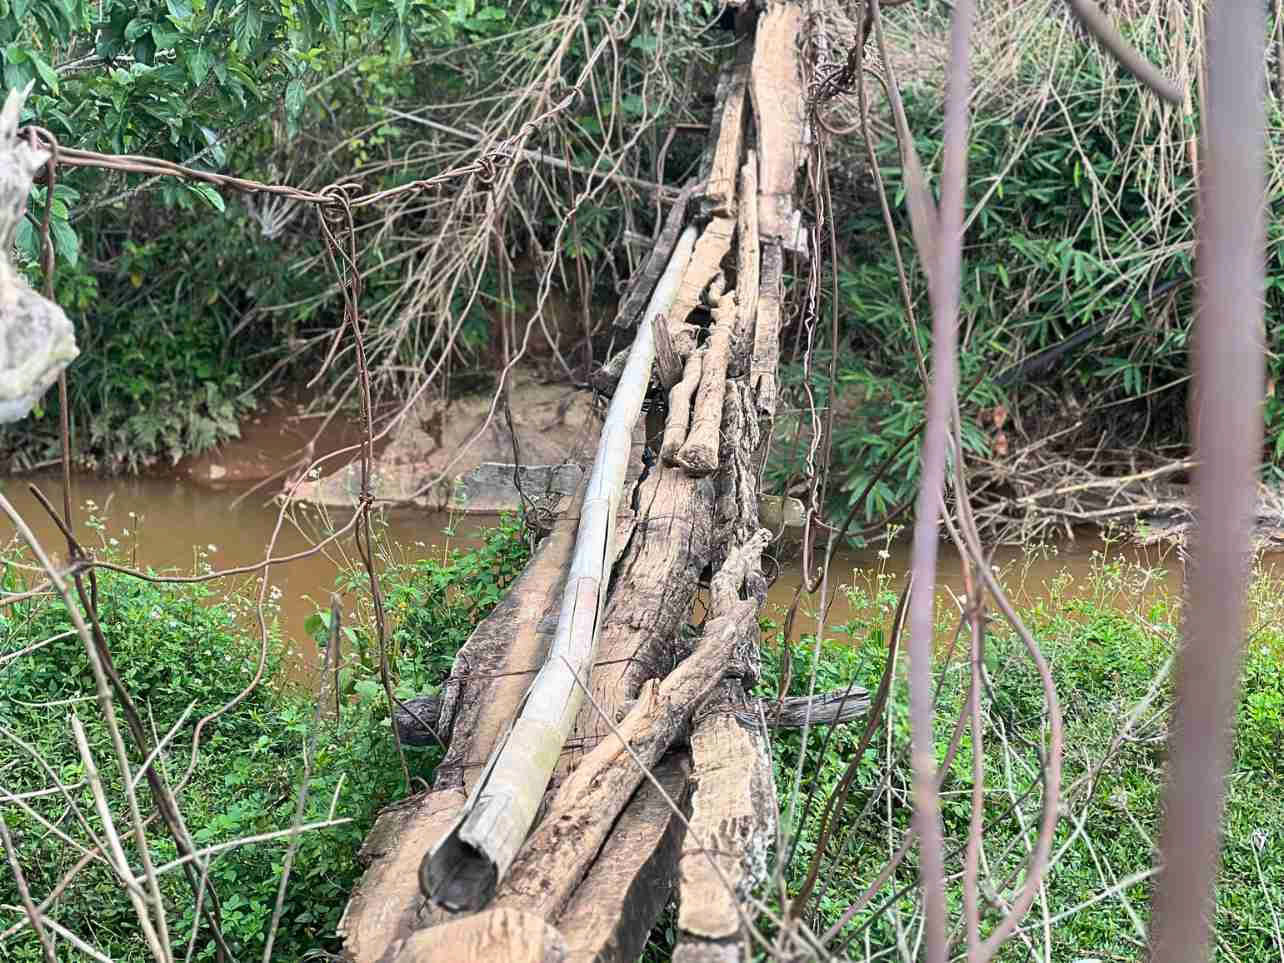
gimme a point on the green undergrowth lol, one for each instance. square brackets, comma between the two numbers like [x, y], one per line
[1106, 635]
[183, 652]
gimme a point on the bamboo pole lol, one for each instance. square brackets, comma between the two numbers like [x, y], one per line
[462, 871]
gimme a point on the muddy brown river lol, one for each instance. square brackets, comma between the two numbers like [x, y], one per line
[178, 523]
[172, 524]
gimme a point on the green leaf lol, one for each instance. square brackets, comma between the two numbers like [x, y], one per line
[136, 28]
[66, 243]
[26, 242]
[368, 690]
[210, 195]
[20, 8]
[295, 96]
[180, 9]
[45, 71]
[199, 61]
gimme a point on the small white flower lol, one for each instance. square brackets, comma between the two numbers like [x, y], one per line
[212, 548]
[884, 553]
[112, 541]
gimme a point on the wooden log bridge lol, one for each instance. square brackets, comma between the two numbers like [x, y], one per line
[599, 749]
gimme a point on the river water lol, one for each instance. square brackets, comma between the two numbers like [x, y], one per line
[180, 521]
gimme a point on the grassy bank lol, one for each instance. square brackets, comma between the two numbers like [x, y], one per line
[184, 652]
[1109, 634]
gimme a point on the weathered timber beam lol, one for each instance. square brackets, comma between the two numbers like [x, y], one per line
[463, 869]
[748, 262]
[720, 191]
[732, 823]
[699, 453]
[652, 594]
[776, 92]
[491, 673]
[833, 708]
[611, 914]
[705, 265]
[581, 815]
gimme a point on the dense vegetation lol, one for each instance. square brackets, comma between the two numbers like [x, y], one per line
[191, 302]
[181, 649]
[1108, 634]
[183, 652]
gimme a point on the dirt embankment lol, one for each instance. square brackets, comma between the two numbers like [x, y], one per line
[443, 454]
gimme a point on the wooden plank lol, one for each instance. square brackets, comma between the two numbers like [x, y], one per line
[732, 821]
[655, 587]
[700, 952]
[625, 890]
[720, 190]
[559, 851]
[496, 936]
[748, 264]
[775, 87]
[699, 453]
[706, 263]
[766, 337]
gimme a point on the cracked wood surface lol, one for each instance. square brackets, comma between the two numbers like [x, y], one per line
[732, 819]
[654, 589]
[720, 191]
[611, 914]
[775, 87]
[491, 936]
[557, 854]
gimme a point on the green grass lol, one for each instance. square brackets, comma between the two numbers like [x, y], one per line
[1106, 644]
[181, 646]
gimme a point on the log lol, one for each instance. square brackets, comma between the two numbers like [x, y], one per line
[720, 191]
[498, 935]
[611, 914]
[833, 708]
[748, 264]
[668, 366]
[654, 589]
[675, 426]
[558, 853]
[706, 264]
[776, 91]
[766, 337]
[699, 453]
[416, 720]
[732, 821]
[462, 871]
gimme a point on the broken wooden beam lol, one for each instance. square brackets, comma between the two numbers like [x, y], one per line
[699, 453]
[496, 936]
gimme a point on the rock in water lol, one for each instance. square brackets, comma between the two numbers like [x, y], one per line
[37, 340]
